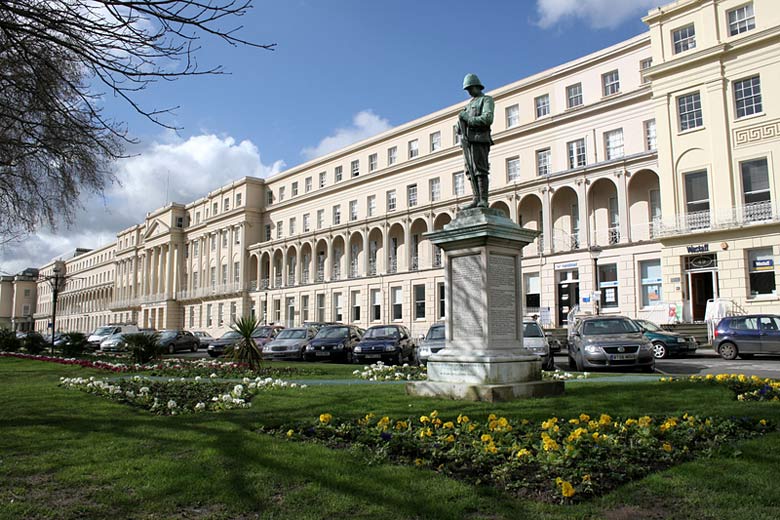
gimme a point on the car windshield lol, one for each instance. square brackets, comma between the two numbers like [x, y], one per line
[532, 330]
[231, 334]
[381, 332]
[262, 332]
[104, 331]
[333, 332]
[292, 334]
[612, 326]
[118, 335]
[649, 325]
[167, 334]
[435, 333]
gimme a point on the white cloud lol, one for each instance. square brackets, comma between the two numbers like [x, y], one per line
[365, 124]
[188, 169]
[598, 14]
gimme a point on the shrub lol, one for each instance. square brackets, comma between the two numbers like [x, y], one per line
[245, 350]
[34, 343]
[8, 341]
[75, 344]
[143, 347]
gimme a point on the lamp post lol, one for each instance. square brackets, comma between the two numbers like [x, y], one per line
[55, 285]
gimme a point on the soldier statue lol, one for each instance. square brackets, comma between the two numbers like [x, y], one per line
[474, 128]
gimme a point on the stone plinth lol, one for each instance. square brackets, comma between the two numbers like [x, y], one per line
[484, 358]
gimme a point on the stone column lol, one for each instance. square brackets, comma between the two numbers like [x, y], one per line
[329, 260]
[624, 217]
[547, 226]
[582, 208]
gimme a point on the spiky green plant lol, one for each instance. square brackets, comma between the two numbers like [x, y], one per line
[75, 344]
[143, 347]
[245, 350]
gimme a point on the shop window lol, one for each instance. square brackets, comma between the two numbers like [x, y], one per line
[761, 272]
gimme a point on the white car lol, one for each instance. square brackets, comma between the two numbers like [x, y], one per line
[102, 333]
[535, 341]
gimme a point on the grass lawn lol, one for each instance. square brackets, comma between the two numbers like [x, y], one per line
[68, 454]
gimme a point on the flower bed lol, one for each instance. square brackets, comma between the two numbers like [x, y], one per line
[381, 372]
[176, 396]
[745, 388]
[82, 362]
[556, 460]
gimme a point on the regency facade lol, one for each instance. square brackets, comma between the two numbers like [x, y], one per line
[603, 156]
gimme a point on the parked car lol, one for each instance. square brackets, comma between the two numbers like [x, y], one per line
[219, 345]
[101, 333]
[265, 334]
[430, 344]
[536, 342]
[289, 343]
[334, 342]
[204, 338]
[609, 342]
[172, 340]
[114, 343]
[317, 325]
[391, 343]
[666, 343]
[745, 336]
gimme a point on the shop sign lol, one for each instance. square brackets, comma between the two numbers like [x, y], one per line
[608, 284]
[766, 264]
[701, 248]
[566, 265]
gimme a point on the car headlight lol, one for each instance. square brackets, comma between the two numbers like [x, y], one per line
[309, 347]
[390, 348]
[646, 347]
[592, 349]
[358, 349]
[340, 346]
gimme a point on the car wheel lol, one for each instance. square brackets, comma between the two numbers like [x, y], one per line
[194, 347]
[579, 364]
[659, 350]
[572, 363]
[171, 350]
[399, 359]
[728, 351]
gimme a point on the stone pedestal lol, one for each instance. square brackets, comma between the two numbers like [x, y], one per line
[484, 358]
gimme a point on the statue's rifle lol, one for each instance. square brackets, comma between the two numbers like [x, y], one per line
[467, 154]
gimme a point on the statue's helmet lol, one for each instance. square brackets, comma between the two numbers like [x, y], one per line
[471, 80]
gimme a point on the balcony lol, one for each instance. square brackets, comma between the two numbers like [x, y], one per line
[723, 218]
[414, 264]
[354, 271]
[265, 283]
[201, 292]
[320, 274]
[305, 276]
[290, 280]
[277, 281]
[372, 267]
[605, 237]
[392, 265]
[336, 272]
[252, 286]
[437, 258]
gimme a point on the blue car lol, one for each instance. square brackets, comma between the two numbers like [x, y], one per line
[745, 336]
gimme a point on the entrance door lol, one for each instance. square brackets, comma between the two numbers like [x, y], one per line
[290, 312]
[702, 289]
[568, 294]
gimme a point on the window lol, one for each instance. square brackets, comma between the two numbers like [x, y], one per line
[225, 238]
[741, 19]
[292, 226]
[391, 200]
[214, 209]
[435, 189]
[608, 285]
[650, 135]
[435, 141]
[232, 312]
[353, 215]
[192, 317]
[213, 239]
[697, 198]
[574, 95]
[512, 116]
[338, 307]
[392, 155]
[196, 247]
[306, 222]
[224, 274]
[684, 39]
[650, 272]
[269, 199]
[411, 195]
[441, 304]
[320, 307]
[197, 218]
[294, 189]
[761, 271]
[320, 218]
[355, 167]
[414, 148]
[213, 275]
[220, 314]
[226, 204]
[532, 292]
[576, 153]
[304, 308]
[267, 236]
[755, 187]
[338, 174]
[336, 215]
[611, 83]
[371, 205]
[373, 162]
[455, 135]
[27, 293]
[419, 302]
[209, 310]
[355, 305]
[323, 176]
[613, 142]
[644, 65]
[236, 272]
[513, 169]
[277, 311]
[180, 221]
[459, 183]
[689, 111]
[397, 303]
[543, 158]
[376, 305]
[307, 184]
[747, 94]
[542, 104]
[279, 229]
[237, 236]
[281, 194]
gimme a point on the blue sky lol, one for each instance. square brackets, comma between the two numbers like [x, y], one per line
[343, 70]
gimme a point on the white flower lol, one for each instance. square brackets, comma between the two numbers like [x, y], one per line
[171, 404]
[200, 406]
[213, 375]
[197, 378]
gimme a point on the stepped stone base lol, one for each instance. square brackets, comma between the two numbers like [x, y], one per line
[485, 392]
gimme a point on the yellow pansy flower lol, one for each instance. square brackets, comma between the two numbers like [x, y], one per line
[325, 418]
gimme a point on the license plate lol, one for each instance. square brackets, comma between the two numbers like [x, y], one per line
[620, 357]
[322, 353]
[373, 356]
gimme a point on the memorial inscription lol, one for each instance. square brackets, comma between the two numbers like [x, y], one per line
[467, 296]
[502, 296]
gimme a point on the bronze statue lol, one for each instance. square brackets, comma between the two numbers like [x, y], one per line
[474, 128]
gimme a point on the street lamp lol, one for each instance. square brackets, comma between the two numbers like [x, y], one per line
[55, 281]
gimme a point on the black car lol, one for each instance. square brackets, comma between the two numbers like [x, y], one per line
[219, 345]
[386, 343]
[334, 342]
[172, 340]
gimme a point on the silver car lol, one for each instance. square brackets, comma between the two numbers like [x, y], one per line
[113, 343]
[535, 341]
[609, 342]
[431, 343]
[289, 343]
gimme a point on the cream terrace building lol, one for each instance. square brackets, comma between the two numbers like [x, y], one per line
[603, 156]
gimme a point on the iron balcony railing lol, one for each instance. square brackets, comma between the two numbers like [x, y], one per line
[372, 267]
[392, 265]
[414, 264]
[305, 276]
[437, 258]
[721, 218]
